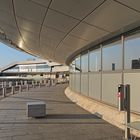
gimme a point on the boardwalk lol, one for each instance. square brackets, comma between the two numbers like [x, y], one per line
[64, 119]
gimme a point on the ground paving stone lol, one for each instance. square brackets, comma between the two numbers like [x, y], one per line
[64, 119]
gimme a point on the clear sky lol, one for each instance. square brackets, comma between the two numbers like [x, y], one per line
[9, 55]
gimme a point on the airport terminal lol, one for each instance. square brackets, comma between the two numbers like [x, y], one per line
[100, 42]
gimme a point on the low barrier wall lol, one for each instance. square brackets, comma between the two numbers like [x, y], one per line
[106, 112]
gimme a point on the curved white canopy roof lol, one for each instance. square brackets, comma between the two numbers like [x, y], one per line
[55, 29]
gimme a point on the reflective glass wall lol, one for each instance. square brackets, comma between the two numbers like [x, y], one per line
[97, 72]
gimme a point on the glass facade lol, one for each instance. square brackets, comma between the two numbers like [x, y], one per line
[112, 56]
[98, 72]
[77, 64]
[84, 63]
[132, 52]
[95, 60]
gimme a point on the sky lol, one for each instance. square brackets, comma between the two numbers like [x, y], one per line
[9, 55]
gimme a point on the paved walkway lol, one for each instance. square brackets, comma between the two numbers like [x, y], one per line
[64, 120]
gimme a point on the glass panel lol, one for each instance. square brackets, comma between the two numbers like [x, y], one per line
[112, 56]
[77, 65]
[95, 60]
[132, 52]
[72, 66]
[84, 63]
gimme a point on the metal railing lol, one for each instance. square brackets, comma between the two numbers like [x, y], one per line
[8, 88]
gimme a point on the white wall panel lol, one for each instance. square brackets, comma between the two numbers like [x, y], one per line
[95, 85]
[84, 84]
[77, 82]
[110, 82]
[70, 80]
[73, 82]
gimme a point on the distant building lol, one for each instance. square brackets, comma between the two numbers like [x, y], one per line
[135, 64]
[35, 68]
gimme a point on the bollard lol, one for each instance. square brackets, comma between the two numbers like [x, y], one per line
[5, 84]
[2, 85]
[24, 82]
[27, 86]
[21, 82]
[36, 83]
[53, 82]
[49, 82]
[16, 83]
[45, 82]
[39, 85]
[33, 85]
[20, 88]
[3, 92]
[12, 89]
[10, 84]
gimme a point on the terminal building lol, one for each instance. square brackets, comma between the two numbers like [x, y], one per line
[98, 39]
[35, 69]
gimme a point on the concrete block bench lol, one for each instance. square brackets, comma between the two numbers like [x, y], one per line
[36, 109]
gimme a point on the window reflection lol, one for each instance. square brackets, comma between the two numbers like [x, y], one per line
[72, 66]
[112, 56]
[84, 63]
[77, 65]
[132, 52]
[95, 60]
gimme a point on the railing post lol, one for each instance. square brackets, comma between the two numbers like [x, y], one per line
[40, 84]
[45, 82]
[16, 83]
[2, 84]
[21, 83]
[10, 84]
[4, 92]
[5, 84]
[20, 88]
[25, 82]
[12, 89]
[33, 84]
[36, 83]
[27, 86]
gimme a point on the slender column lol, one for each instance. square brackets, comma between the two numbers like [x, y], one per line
[127, 113]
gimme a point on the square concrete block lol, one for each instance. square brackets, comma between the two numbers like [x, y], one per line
[36, 109]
